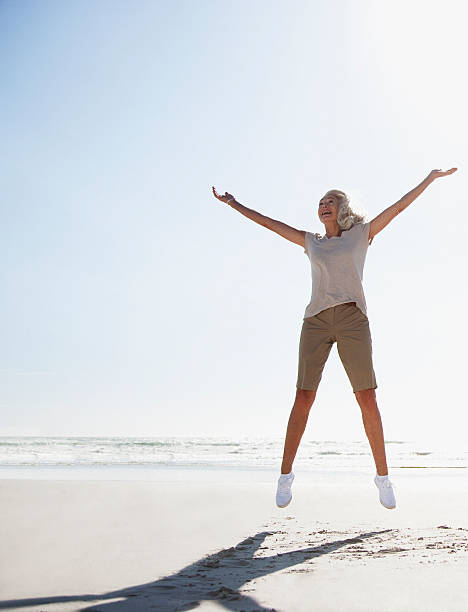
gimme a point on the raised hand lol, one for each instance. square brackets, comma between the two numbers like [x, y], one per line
[223, 198]
[433, 174]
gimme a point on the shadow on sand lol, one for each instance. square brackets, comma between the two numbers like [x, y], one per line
[223, 577]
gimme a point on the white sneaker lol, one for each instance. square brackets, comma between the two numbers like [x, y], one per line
[283, 493]
[386, 495]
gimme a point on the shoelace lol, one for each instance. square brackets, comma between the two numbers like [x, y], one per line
[388, 484]
[285, 483]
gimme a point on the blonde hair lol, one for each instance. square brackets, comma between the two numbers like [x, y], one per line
[347, 217]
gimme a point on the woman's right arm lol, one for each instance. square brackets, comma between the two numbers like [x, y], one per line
[288, 232]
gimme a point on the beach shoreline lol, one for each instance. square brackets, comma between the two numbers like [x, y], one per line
[215, 538]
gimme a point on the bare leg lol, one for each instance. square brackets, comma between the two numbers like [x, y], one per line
[296, 426]
[373, 427]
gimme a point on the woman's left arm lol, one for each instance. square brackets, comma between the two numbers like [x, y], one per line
[392, 211]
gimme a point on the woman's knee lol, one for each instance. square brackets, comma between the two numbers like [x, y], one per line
[366, 398]
[305, 397]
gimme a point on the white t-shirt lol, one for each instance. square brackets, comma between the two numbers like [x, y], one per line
[337, 268]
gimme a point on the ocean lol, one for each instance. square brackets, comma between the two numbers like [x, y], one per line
[29, 453]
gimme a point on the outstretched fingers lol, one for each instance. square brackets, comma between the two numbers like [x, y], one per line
[438, 172]
[224, 198]
[446, 172]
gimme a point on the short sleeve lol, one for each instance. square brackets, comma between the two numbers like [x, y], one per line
[366, 229]
[363, 230]
[307, 243]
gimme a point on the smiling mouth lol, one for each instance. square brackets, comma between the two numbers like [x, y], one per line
[325, 214]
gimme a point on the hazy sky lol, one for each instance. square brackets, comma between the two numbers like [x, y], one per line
[134, 302]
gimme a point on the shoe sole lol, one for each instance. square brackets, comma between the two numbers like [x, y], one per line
[284, 504]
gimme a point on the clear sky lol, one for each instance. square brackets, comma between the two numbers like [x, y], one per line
[134, 302]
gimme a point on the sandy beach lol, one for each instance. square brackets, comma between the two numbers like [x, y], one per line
[214, 540]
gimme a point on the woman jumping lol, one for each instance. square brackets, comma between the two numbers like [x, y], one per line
[336, 313]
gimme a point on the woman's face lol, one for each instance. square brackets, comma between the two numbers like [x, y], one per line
[328, 208]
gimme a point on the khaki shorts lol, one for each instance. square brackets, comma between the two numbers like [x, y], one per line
[346, 325]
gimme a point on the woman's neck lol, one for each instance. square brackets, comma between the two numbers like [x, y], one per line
[332, 229]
